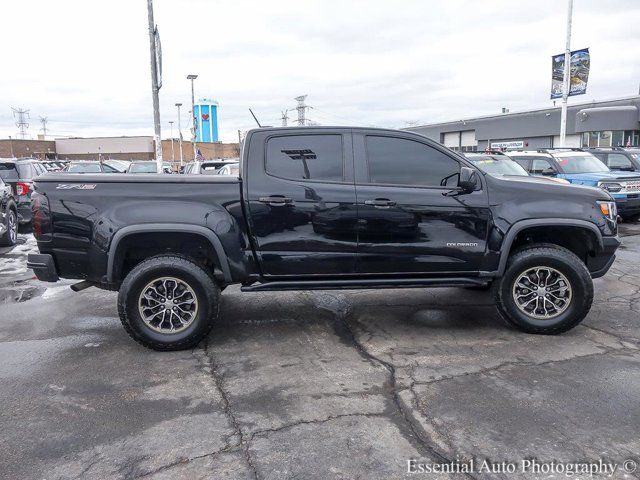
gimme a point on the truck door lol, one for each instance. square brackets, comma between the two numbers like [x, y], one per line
[406, 225]
[302, 202]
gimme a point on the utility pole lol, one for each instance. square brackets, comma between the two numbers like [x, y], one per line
[173, 152]
[193, 114]
[21, 115]
[284, 117]
[155, 84]
[180, 134]
[44, 120]
[566, 83]
[302, 109]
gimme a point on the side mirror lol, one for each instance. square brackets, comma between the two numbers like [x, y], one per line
[468, 179]
[549, 172]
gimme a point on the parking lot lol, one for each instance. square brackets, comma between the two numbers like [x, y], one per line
[316, 384]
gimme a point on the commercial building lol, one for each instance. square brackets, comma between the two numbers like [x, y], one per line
[593, 124]
[121, 148]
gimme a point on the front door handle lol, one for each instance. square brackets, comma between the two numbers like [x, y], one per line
[380, 202]
[276, 200]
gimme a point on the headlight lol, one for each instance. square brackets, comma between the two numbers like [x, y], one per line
[610, 187]
[609, 210]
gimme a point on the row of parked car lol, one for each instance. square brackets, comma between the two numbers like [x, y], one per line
[616, 170]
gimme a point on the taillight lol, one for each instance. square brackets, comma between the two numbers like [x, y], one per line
[41, 217]
[22, 188]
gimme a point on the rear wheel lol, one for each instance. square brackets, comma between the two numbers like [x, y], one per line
[10, 237]
[168, 303]
[546, 289]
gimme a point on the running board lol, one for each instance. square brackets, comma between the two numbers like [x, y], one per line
[364, 283]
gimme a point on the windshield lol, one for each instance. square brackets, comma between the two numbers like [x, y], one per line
[84, 168]
[211, 168]
[8, 171]
[494, 166]
[583, 163]
[150, 167]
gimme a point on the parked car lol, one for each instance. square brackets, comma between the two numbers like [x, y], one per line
[230, 169]
[207, 167]
[86, 166]
[497, 163]
[399, 210]
[19, 174]
[54, 165]
[8, 215]
[618, 158]
[148, 166]
[120, 165]
[582, 168]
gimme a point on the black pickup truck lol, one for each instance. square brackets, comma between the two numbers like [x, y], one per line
[324, 208]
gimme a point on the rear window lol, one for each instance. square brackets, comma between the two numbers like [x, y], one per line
[150, 167]
[84, 168]
[305, 157]
[8, 171]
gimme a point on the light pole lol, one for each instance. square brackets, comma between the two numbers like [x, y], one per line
[193, 114]
[566, 83]
[155, 86]
[180, 134]
[173, 152]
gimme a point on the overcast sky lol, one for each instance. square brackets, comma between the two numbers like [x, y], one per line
[85, 63]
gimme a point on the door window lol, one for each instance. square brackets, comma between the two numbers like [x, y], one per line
[398, 161]
[540, 165]
[617, 161]
[305, 157]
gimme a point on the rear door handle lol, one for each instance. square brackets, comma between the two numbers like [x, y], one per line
[276, 200]
[380, 202]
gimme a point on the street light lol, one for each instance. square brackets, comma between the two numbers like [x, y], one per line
[173, 152]
[180, 134]
[193, 114]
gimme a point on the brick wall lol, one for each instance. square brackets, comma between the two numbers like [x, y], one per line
[27, 148]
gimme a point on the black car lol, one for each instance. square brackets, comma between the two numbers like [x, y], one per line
[618, 158]
[8, 215]
[19, 174]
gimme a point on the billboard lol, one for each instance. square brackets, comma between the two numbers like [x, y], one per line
[580, 63]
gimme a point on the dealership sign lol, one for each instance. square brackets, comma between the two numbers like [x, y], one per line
[579, 73]
[513, 144]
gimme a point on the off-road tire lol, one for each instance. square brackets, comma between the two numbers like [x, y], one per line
[545, 255]
[206, 290]
[6, 239]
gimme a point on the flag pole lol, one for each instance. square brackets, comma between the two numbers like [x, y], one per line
[566, 81]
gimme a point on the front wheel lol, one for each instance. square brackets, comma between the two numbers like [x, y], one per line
[546, 289]
[168, 303]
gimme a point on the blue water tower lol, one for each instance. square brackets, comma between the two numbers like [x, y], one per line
[206, 115]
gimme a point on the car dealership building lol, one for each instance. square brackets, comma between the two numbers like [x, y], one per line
[594, 124]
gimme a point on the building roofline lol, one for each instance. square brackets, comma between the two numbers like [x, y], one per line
[521, 112]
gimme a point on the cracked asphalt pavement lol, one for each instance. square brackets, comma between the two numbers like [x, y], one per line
[293, 385]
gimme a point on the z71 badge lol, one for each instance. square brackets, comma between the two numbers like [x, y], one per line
[76, 186]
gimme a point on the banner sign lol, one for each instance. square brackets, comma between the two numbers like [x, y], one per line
[579, 68]
[512, 144]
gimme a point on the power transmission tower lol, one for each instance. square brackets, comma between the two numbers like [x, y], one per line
[284, 117]
[302, 110]
[21, 115]
[44, 121]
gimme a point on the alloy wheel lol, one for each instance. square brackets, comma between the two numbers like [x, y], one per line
[168, 305]
[542, 292]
